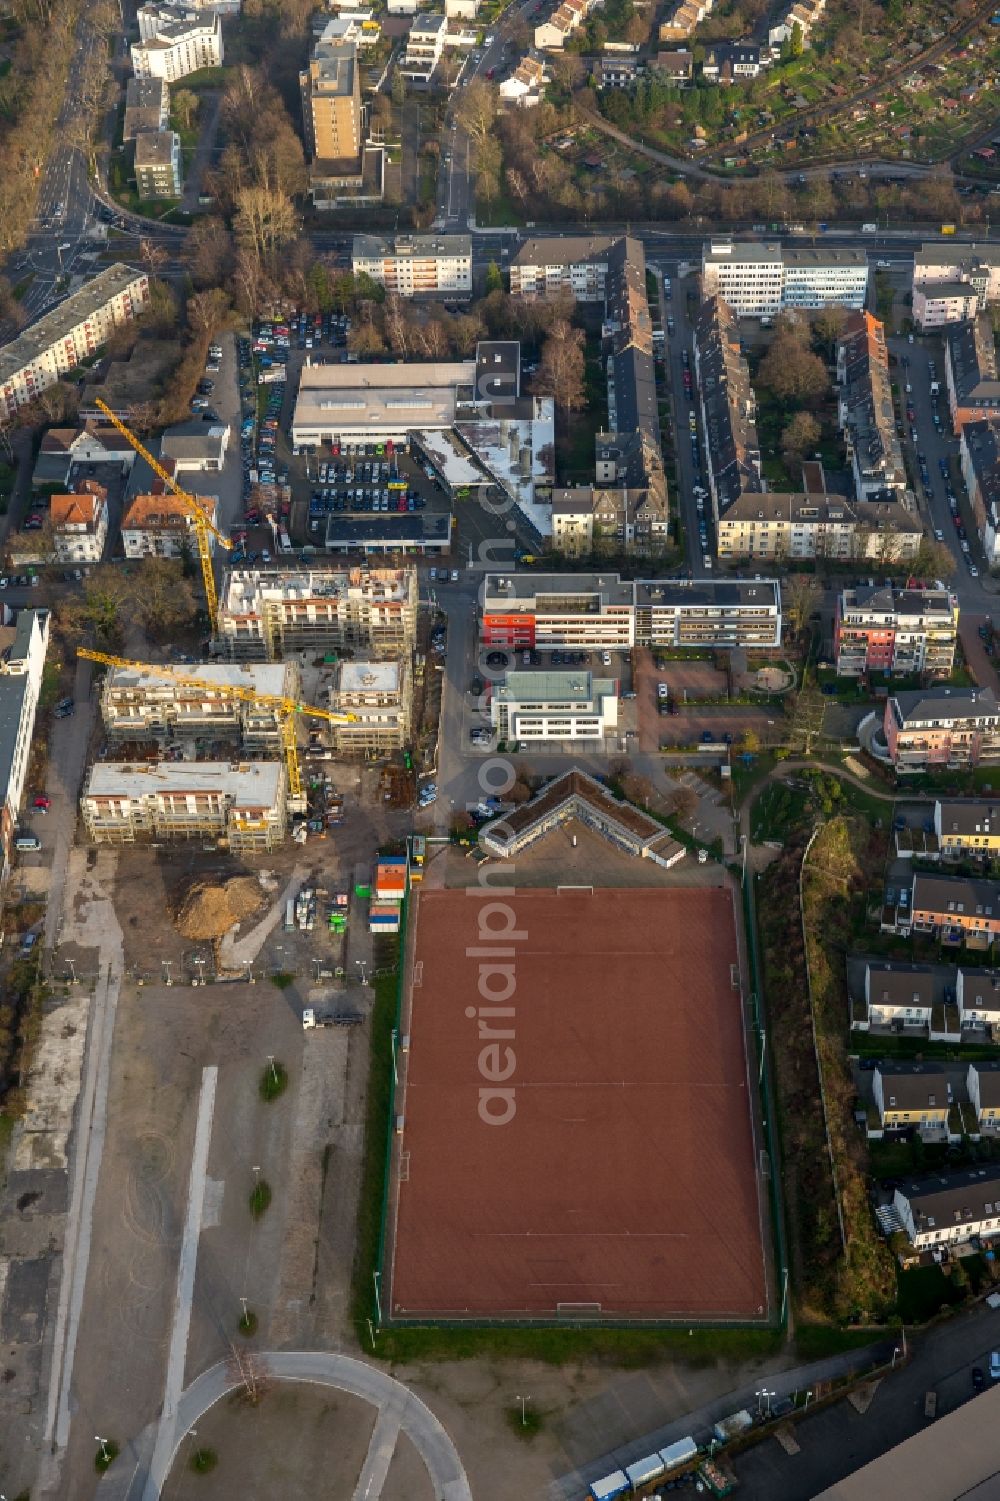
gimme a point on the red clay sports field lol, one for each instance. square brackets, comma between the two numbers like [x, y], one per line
[577, 1130]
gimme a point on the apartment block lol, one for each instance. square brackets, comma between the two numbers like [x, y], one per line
[144, 706]
[866, 413]
[944, 727]
[160, 525]
[967, 826]
[158, 164]
[760, 279]
[22, 662]
[72, 331]
[416, 265]
[563, 706]
[816, 524]
[591, 612]
[424, 49]
[175, 41]
[79, 523]
[242, 803]
[970, 367]
[147, 106]
[331, 103]
[728, 406]
[952, 282]
[266, 614]
[979, 450]
[896, 631]
[572, 263]
[379, 697]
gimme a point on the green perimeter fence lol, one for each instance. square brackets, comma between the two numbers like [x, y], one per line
[766, 1096]
[381, 1122]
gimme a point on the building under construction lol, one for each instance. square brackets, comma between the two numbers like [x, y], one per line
[141, 706]
[379, 697]
[267, 614]
[242, 803]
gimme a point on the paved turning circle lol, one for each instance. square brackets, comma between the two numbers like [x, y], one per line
[134, 1475]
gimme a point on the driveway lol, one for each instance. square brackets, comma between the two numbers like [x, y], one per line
[211, 104]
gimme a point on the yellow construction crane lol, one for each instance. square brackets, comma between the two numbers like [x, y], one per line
[203, 523]
[285, 709]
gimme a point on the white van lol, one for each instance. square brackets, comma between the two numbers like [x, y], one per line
[27, 842]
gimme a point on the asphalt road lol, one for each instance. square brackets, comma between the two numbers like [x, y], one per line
[837, 1440]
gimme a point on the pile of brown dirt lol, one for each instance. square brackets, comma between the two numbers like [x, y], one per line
[209, 909]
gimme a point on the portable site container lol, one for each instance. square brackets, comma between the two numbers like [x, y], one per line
[684, 1450]
[611, 1486]
[645, 1471]
[383, 919]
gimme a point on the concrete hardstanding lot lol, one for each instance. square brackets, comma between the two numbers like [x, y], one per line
[577, 1129]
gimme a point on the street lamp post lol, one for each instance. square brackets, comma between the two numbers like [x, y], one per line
[104, 1448]
[523, 1401]
[362, 964]
[895, 1352]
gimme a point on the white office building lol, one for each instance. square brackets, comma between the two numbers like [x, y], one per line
[761, 278]
[553, 705]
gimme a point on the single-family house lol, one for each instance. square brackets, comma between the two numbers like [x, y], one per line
[674, 66]
[950, 1208]
[977, 995]
[912, 1096]
[899, 994]
[983, 1084]
[957, 909]
[967, 826]
[525, 85]
[196, 447]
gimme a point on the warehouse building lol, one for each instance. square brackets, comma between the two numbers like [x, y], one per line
[241, 803]
[265, 614]
[371, 403]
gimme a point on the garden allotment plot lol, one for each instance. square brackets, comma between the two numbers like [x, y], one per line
[575, 1131]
